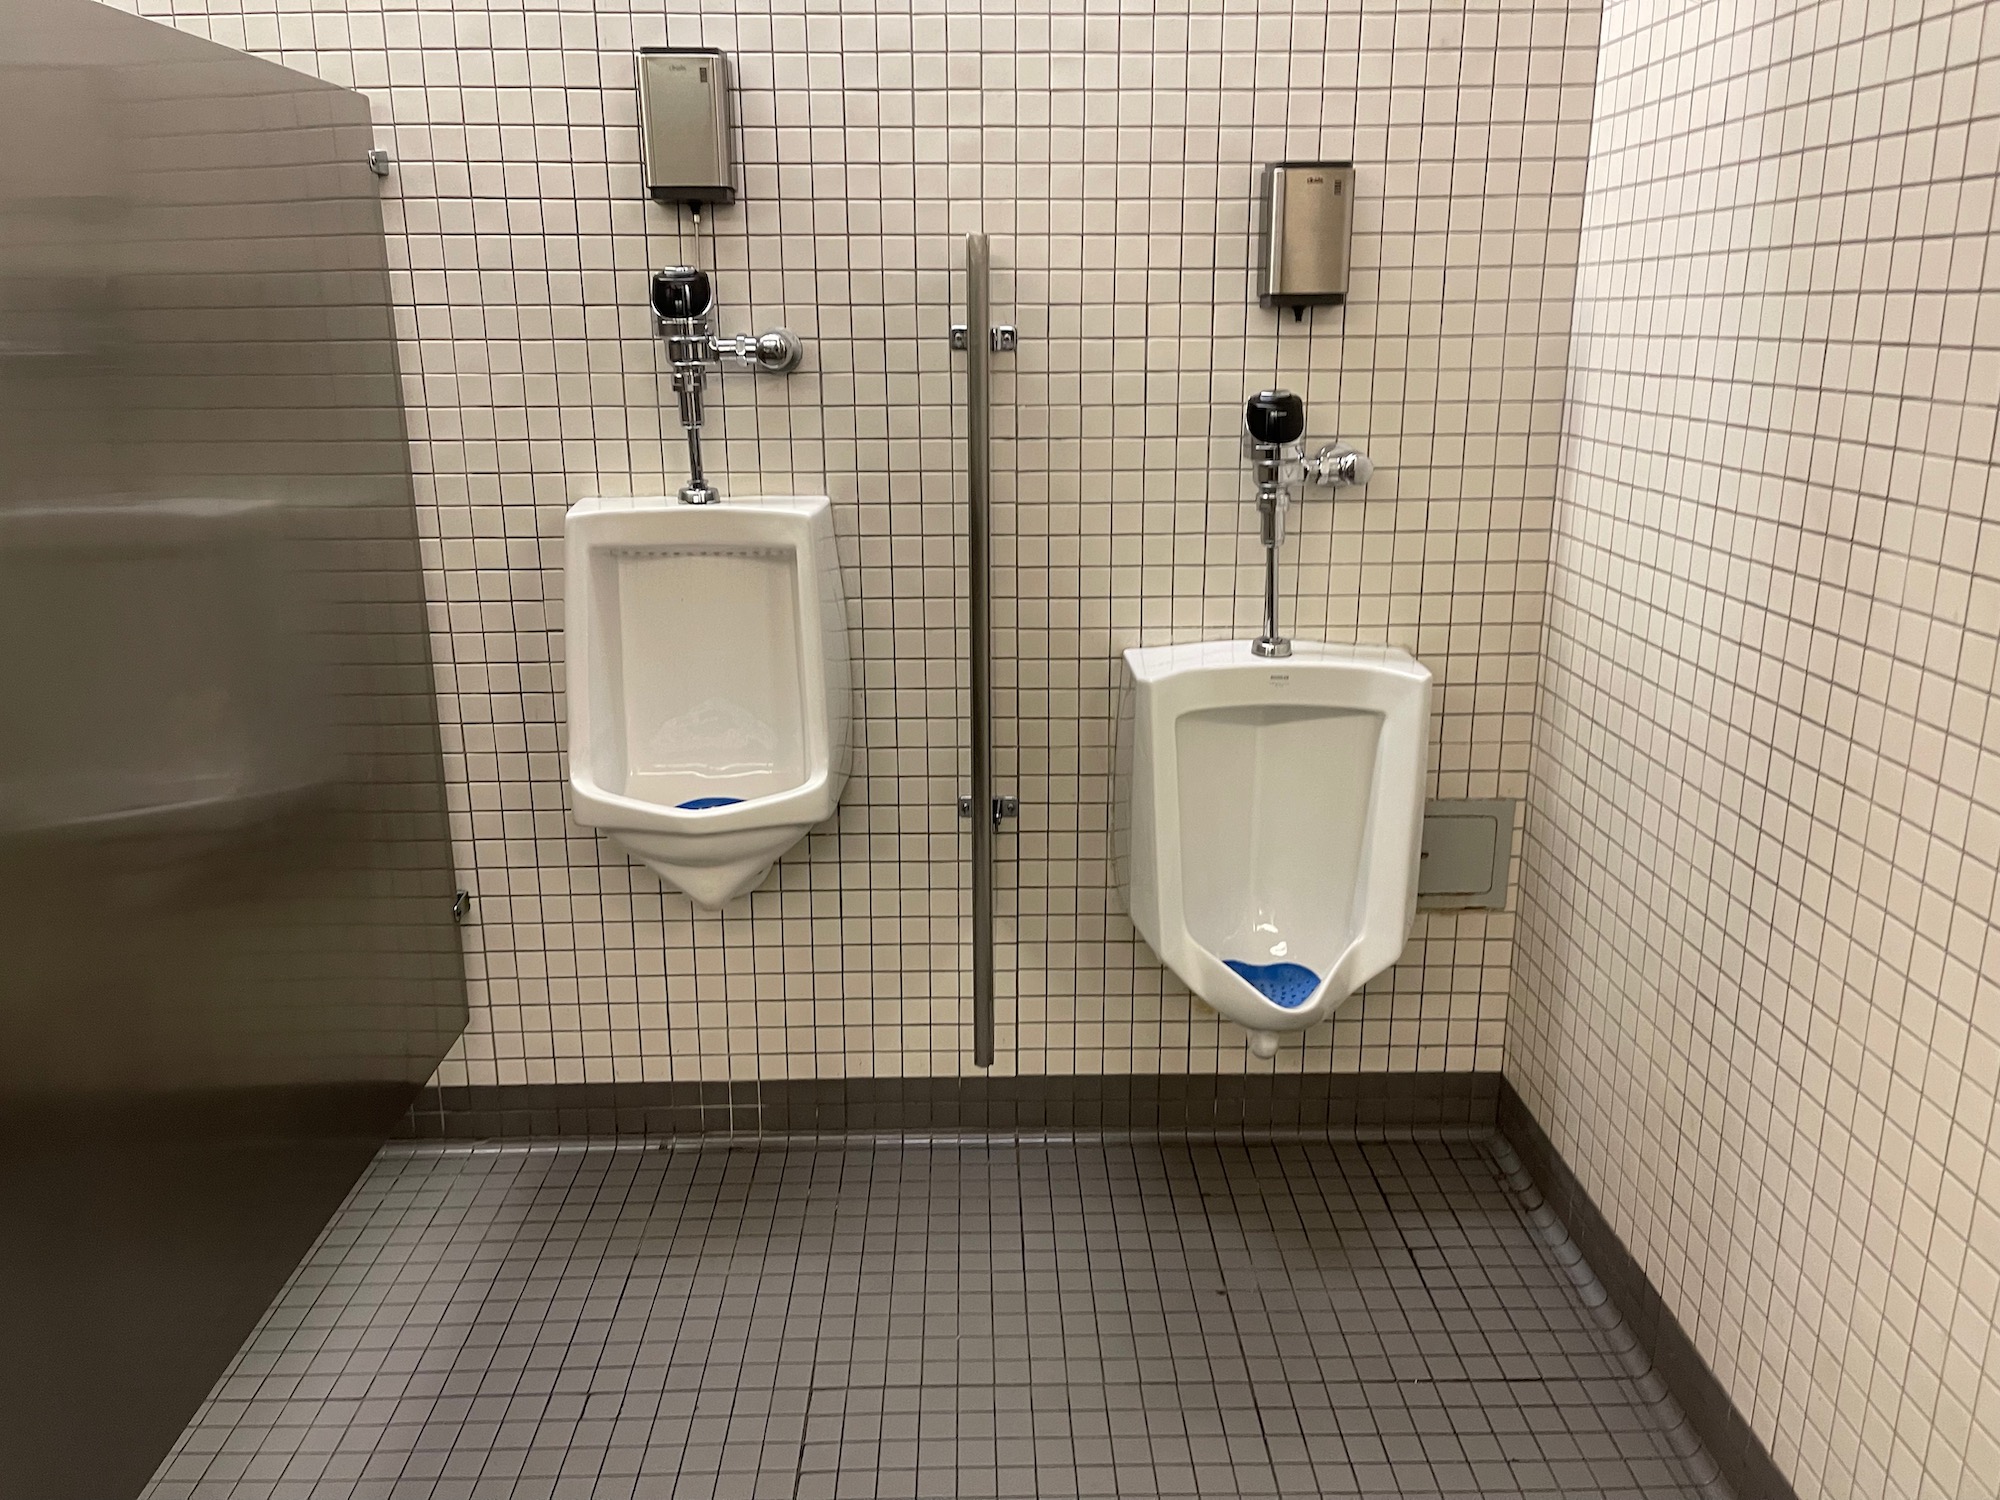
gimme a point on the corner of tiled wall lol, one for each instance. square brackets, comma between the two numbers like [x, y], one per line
[1757, 1003]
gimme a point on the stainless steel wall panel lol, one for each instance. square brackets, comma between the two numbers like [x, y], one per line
[225, 876]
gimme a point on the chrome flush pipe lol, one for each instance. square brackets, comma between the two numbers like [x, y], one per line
[683, 302]
[1271, 502]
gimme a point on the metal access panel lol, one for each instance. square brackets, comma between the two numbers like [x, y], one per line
[1468, 848]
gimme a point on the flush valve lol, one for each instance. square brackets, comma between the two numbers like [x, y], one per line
[1273, 423]
[683, 303]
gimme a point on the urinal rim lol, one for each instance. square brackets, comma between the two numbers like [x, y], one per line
[587, 509]
[1176, 669]
[819, 791]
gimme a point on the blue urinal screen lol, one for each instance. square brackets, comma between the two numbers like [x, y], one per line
[1289, 985]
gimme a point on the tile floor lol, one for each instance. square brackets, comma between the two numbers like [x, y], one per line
[844, 1322]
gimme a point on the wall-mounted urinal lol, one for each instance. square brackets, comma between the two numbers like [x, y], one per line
[708, 682]
[1271, 820]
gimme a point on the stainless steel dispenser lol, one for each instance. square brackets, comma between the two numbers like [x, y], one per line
[684, 144]
[1305, 234]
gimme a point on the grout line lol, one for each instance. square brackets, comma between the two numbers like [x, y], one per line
[871, 1140]
[1549, 1228]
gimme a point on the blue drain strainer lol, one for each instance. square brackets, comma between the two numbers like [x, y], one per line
[1289, 985]
[697, 804]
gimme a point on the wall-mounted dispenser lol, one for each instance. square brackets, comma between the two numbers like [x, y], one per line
[1305, 234]
[684, 145]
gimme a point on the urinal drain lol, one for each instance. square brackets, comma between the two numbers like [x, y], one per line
[1289, 985]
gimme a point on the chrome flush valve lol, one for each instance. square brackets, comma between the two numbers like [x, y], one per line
[1273, 423]
[683, 302]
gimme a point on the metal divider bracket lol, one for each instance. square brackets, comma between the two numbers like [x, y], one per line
[1001, 338]
[1003, 807]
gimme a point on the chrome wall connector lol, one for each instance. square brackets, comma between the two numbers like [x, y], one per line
[1273, 423]
[683, 305]
[1339, 464]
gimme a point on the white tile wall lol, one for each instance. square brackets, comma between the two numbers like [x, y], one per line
[1110, 150]
[1758, 1001]
[1759, 997]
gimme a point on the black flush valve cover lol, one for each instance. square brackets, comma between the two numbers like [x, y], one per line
[1274, 417]
[681, 292]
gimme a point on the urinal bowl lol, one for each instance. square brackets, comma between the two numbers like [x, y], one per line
[708, 682]
[1273, 813]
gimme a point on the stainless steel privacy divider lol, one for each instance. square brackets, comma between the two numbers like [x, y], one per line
[980, 338]
[228, 959]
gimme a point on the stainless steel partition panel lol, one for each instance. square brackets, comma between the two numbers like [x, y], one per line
[227, 955]
[979, 591]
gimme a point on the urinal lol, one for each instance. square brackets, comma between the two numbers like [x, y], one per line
[708, 682]
[1271, 821]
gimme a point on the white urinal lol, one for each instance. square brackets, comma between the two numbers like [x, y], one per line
[1271, 818]
[708, 682]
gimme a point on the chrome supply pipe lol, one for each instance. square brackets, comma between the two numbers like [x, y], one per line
[687, 350]
[1272, 499]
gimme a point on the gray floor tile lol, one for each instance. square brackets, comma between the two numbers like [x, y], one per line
[927, 1323]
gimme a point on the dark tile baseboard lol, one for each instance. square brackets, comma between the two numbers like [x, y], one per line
[1737, 1451]
[1146, 1102]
